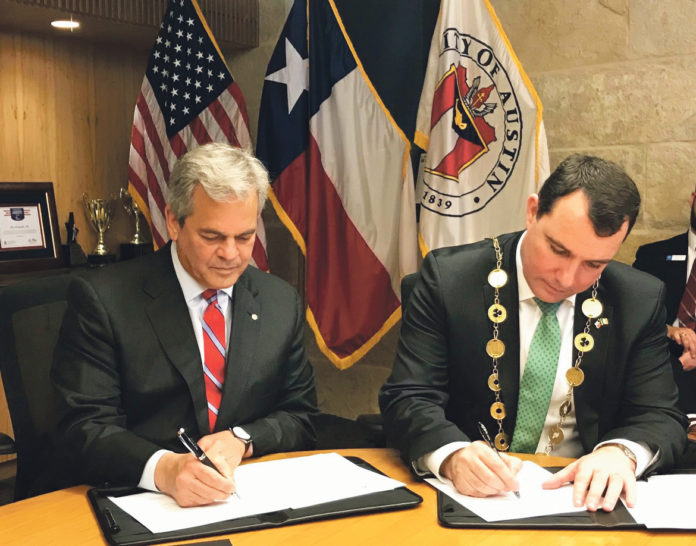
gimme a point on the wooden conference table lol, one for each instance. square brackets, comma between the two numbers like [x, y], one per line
[65, 517]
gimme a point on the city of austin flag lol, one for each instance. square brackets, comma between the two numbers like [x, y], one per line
[479, 120]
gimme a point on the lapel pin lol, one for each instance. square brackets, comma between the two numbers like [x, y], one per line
[601, 322]
[254, 316]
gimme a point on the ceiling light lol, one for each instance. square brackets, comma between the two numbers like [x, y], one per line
[64, 24]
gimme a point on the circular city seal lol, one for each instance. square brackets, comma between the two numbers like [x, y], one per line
[476, 129]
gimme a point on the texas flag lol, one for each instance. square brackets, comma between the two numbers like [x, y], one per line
[342, 181]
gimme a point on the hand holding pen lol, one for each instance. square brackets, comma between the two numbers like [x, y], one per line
[198, 453]
[194, 448]
[487, 438]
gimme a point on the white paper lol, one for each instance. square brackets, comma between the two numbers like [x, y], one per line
[533, 501]
[306, 481]
[666, 502]
[263, 487]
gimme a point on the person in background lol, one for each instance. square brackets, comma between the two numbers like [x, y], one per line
[672, 261]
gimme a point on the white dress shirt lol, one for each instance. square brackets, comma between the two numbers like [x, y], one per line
[193, 294]
[529, 316]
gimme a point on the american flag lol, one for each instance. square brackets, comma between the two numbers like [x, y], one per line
[188, 98]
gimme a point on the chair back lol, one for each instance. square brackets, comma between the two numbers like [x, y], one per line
[31, 313]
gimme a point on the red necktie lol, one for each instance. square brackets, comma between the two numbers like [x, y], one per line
[213, 354]
[687, 305]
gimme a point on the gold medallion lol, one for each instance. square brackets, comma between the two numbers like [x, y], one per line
[494, 382]
[495, 348]
[556, 435]
[584, 342]
[567, 406]
[502, 441]
[497, 278]
[497, 313]
[498, 410]
[592, 308]
[574, 377]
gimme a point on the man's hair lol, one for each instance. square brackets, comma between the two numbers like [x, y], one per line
[225, 173]
[613, 196]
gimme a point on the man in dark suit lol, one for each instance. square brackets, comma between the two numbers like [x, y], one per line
[188, 337]
[671, 261]
[469, 339]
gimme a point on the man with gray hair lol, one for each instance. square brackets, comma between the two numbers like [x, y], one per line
[187, 337]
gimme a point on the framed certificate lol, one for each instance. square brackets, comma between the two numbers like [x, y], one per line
[29, 235]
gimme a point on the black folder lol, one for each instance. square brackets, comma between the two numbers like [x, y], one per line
[120, 529]
[452, 514]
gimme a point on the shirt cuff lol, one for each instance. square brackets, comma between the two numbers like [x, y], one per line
[644, 455]
[431, 462]
[147, 479]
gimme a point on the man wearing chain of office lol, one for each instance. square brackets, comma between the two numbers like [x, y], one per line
[544, 340]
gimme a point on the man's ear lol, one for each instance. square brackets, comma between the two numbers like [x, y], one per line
[532, 209]
[173, 226]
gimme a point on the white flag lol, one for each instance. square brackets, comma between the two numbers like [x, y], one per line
[479, 120]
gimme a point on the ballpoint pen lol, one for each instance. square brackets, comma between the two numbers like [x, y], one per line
[194, 448]
[487, 438]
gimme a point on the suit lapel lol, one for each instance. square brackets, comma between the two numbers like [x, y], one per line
[588, 396]
[171, 322]
[246, 325]
[508, 331]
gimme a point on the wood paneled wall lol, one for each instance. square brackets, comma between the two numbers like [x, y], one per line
[66, 110]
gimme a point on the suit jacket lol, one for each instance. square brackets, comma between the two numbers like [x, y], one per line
[128, 373]
[438, 388]
[652, 258]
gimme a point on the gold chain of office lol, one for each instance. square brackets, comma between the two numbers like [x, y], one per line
[584, 342]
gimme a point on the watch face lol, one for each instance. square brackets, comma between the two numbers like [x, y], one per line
[242, 434]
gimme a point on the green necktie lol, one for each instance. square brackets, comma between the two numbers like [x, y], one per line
[537, 381]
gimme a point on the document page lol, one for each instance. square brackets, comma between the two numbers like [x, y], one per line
[533, 501]
[666, 502]
[263, 487]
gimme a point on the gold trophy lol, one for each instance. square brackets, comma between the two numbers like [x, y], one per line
[100, 212]
[133, 210]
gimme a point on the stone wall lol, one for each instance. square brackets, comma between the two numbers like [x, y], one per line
[616, 78]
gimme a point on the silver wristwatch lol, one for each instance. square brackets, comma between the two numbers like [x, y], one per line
[243, 435]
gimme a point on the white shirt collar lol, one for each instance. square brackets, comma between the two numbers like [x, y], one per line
[692, 240]
[524, 291]
[191, 288]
